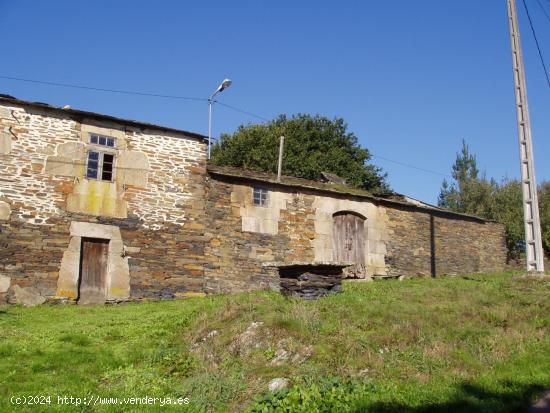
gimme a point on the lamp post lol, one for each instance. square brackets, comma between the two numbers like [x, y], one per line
[224, 85]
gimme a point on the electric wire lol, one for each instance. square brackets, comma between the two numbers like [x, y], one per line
[99, 89]
[537, 43]
[132, 92]
[242, 111]
[412, 166]
[234, 108]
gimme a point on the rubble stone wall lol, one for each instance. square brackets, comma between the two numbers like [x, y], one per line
[156, 199]
[424, 243]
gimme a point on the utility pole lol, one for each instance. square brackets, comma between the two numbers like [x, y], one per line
[533, 239]
[280, 165]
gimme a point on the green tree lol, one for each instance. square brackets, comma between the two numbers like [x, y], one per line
[313, 144]
[470, 193]
[544, 202]
[508, 210]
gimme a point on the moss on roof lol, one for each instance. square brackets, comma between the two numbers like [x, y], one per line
[335, 189]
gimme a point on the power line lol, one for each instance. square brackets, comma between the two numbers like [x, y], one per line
[138, 93]
[537, 42]
[412, 166]
[131, 92]
[99, 89]
[242, 111]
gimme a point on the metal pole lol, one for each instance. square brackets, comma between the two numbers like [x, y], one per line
[279, 169]
[533, 239]
[209, 126]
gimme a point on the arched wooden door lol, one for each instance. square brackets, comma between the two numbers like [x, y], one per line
[348, 238]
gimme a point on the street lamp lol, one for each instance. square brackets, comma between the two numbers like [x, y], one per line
[224, 85]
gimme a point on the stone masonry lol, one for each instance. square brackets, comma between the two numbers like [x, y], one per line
[401, 239]
[176, 228]
[156, 203]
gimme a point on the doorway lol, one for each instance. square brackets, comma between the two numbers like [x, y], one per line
[93, 271]
[349, 239]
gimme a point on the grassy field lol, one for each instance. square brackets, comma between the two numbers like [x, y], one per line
[465, 344]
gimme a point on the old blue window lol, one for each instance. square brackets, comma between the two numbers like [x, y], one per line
[260, 196]
[102, 140]
[101, 158]
[100, 166]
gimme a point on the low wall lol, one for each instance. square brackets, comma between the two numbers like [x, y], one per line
[425, 243]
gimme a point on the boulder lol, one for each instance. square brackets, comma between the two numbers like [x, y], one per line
[278, 384]
[29, 296]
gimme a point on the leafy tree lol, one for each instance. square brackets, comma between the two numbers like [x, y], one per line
[544, 202]
[508, 210]
[313, 144]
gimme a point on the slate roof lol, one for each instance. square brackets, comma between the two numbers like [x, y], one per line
[393, 198]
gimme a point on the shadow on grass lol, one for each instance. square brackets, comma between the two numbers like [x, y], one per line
[514, 397]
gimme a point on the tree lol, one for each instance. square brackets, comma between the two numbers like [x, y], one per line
[508, 210]
[544, 202]
[472, 193]
[313, 144]
[469, 193]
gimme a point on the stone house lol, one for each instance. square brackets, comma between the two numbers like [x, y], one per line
[95, 208]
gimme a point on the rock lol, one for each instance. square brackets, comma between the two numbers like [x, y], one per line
[288, 350]
[281, 356]
[29, 296]
[364, 373]
[248, 340]
[213, 333]
[277, 384]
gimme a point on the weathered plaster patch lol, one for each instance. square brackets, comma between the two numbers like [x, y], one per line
[100, 198]
[4, 283]
[132, 168]
[5, 143]
[5, 211]
[5, 113]
[118, 272]
[70, 160]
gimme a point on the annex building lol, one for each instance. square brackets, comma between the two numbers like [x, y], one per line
[97, 209]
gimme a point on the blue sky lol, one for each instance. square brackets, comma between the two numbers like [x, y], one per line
[412, 79]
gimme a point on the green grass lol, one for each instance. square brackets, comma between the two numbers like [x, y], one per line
[465, 344]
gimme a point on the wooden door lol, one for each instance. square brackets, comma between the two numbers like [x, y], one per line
[93, 270]
[348, 239]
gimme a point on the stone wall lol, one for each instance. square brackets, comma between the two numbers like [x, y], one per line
[430, 243]
[156, 199]
[400, 240]
[234, 254]
[175, 230]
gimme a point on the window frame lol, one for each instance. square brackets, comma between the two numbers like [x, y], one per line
[101, 150]
[262, 191]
